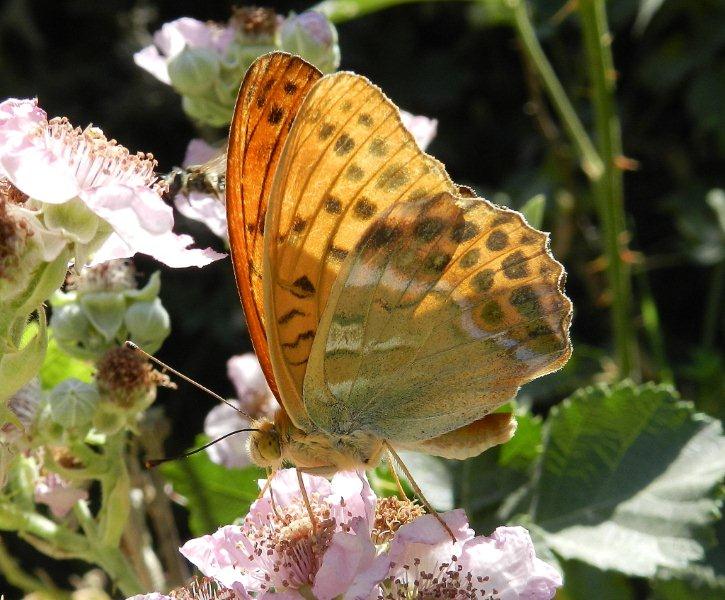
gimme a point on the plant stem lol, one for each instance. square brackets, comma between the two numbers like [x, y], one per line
[16, 576]
[608, 190]
[713, 308]
[589, 159]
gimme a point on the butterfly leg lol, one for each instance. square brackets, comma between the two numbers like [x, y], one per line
[306, 498]
[391, 461]
[417, 490]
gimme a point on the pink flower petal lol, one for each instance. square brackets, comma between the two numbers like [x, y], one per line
[198, 152]
[230, 452]
[205, 208]
[346, 565]
[218, 555]
[58, 494]
[150, 59]
[354, 491]
[247, 376]
[422, 128]
[37, 172]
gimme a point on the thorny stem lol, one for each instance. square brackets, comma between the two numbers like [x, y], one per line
[608, 190]
[590, 160]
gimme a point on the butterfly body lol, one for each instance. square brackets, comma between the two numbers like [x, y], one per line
[389, 307]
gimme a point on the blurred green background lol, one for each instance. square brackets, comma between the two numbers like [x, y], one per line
[458, 63]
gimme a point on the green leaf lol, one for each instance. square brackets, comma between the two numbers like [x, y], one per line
[581, 579]
[215, 495]
[627, 479]
[533, 210]
[58, 366]
[73, 402]
[490, 486]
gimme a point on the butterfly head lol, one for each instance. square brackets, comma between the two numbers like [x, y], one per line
[264, 444]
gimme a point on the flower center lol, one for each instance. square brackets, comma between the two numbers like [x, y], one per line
[444, 580]
[96, 160]
[390, 514]
[287, 548]
[110, 276]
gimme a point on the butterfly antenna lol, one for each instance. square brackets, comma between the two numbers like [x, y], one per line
[155, 462]
[166, 367]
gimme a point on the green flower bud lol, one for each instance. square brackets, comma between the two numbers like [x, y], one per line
[313, 37]
[208, 111]
[105, 311]
[194, 70]
[75, 334]
[18, 366]
[148, 324]
[72, 219]
[73, 403]
[108, 419]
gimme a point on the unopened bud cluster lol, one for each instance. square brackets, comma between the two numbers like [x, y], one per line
[205, 62]
[102, 308]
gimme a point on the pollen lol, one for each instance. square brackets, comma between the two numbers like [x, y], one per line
[289, 545]
[97, 160]
[390, 514]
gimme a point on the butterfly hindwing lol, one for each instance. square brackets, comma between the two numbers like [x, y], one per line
[348, 158]
[268, 101]
[447, 306]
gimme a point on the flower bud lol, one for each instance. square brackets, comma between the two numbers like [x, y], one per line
[75, 334]
[208, 111]
[313, 37]
[148, 324]
[72, 404]
[19, 365]
[194, 70]
[72, 220]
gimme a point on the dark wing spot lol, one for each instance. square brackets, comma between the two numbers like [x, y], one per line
[465, 231]
[290, 87]
[365, 120]
[491, 312]
[497, 241]
[326, 130]
[288, 316]
[333, 206]
[305, 335]
[268, 85]
[483, 280]
[344, 144]
[338, 254]
[528, 238]
[260, 223]
[470, 258]
[275, 114]
[354, 173]
[502, 219]
[428, 229]
[437, 261]
[261, 99]
[298, 225]
[364, 209]
[393, 177]
[303, 286]
[514, 265]
[526, 301]
[347, 105]
[378, 147]
[378, 236]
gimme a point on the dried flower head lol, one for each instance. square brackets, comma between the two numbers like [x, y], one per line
[126, 377]
[112, 276]
[390, 514]
[255, 21]
[14, 230]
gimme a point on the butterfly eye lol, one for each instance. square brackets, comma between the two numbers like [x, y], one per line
[264, 446]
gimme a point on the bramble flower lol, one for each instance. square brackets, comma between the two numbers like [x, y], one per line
[92, 192]
[58, 494]
[205, 62]
[276, 552]
[253, 397]
[425, 563]
[202, 588]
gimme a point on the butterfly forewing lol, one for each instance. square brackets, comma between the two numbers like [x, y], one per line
[348, 158]
[268, 101]
[446, 308]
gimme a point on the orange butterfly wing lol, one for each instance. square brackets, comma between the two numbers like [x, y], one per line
[269, 99]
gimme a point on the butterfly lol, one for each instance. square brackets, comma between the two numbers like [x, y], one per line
[389, 308]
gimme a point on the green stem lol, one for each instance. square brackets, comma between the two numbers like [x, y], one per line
[608, 190]
[16, 576]
[589, 159]
[713, 308]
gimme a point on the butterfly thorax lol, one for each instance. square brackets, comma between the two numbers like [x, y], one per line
[280, 441]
